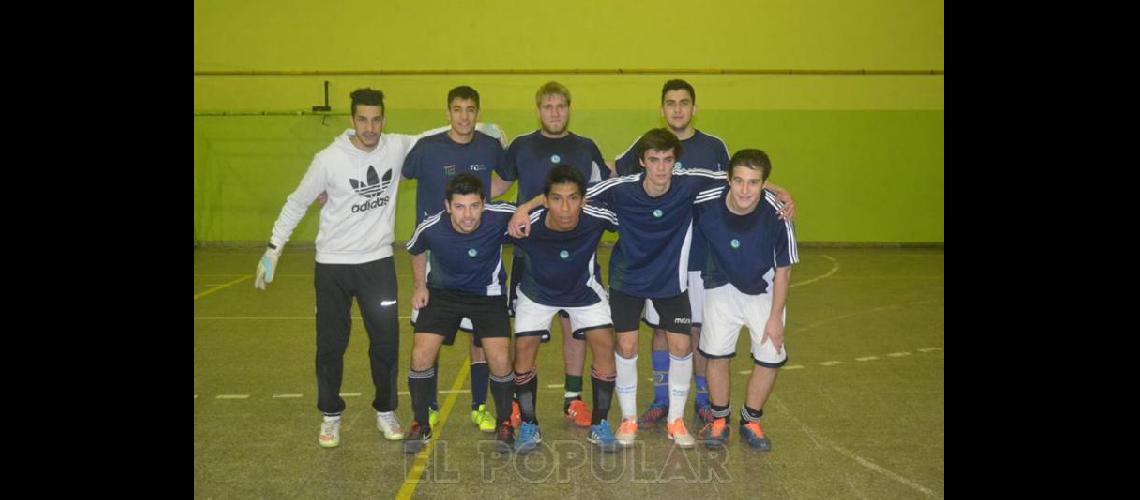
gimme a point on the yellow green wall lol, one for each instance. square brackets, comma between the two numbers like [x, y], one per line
[863, 155]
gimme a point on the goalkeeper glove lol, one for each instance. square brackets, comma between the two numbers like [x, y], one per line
[266, 266]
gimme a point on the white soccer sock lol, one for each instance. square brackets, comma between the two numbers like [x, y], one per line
[680, 374]
[626, 385]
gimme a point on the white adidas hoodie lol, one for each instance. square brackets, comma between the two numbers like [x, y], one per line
[357, 224]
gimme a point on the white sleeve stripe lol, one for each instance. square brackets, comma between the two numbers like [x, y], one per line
[772, 200]
[601, 214]
[717, 190]
[608, 183]
[793, 250]
[700, 172]
[428, 222]
[501, 207]
[535, 215]
[631, 145]
[607, 212]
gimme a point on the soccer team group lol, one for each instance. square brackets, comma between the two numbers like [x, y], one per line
[705, 247]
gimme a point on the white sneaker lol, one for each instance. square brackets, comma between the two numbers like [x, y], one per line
[387, 422]
[330, 432]
[680, 435]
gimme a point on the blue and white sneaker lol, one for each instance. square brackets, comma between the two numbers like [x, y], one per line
[603, 436]
[529, 437]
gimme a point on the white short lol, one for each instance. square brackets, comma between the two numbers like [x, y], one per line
[696, 302]
[464, 324]
[728, 309]
[532, 318]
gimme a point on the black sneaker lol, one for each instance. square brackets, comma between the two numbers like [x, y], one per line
[506, 437]
[417, 439]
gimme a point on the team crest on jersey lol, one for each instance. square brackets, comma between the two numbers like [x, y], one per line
[735, 243]
[564, 254]
[471, 252]
[373, 186]
[555, 159]
[477, 167]
[449, 170]
[658, 213]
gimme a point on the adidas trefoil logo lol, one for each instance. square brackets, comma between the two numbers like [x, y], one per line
[372, 187]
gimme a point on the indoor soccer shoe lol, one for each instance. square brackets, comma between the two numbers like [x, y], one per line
[529, 437]
[602, 436]
[417, 439]
[754, 436]
[330, 433]
[516, 415]
[654, 415]
[579, 413]
[626, 432]
[680, 435]
[389, 425]
[483, 419]
[703, 413]
[715, 434]
[506, 438]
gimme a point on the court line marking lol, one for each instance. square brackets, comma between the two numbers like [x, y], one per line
[411, 482]
[834, 269]
[232, 396]
[867, 358]
[287, 395]
[898, 354]
[822, 442]
[219, 287]
[830, 363]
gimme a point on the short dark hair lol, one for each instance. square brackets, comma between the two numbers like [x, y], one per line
[463, 92]
[658, 139]
[367, 97]
[464, 183]
[678, 84]
[750, 158]
[563, 174]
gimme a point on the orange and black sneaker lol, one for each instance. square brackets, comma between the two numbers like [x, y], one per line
[516, 416]
[754, 436]
[506, 437]
[679, 434]
[579, 413]
[715, 434]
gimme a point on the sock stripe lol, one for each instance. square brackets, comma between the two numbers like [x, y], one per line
[510, 377]
[429, 373]
[604, 378]
[524, 378]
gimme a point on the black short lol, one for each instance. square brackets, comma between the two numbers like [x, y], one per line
[673, 311]
[446, 308]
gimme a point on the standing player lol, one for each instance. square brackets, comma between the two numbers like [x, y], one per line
[650, 261]
[528, 159]
[746, 283]
[562, 274]
[464, 244]
[432, 162]
[701, 150]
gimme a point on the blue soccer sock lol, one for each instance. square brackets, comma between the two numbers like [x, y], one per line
[661, 378]
[702, 390]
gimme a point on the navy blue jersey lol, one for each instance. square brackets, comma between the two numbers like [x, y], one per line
[435, 159]
[469, 263]
[531, 156]
[699, 151]
[742, 248]
[561, 268]
[651, 256]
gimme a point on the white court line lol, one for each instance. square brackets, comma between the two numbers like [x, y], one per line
[830, 363]
[867, 358]
[555, 386]
[232, 396]
[898, 354]
[279, 396]
[928, 349]
[834, 269]
[195, 396]
[349, 394]
[792, 367]
[820, 441]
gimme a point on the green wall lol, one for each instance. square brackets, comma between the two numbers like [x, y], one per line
[863, 155]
